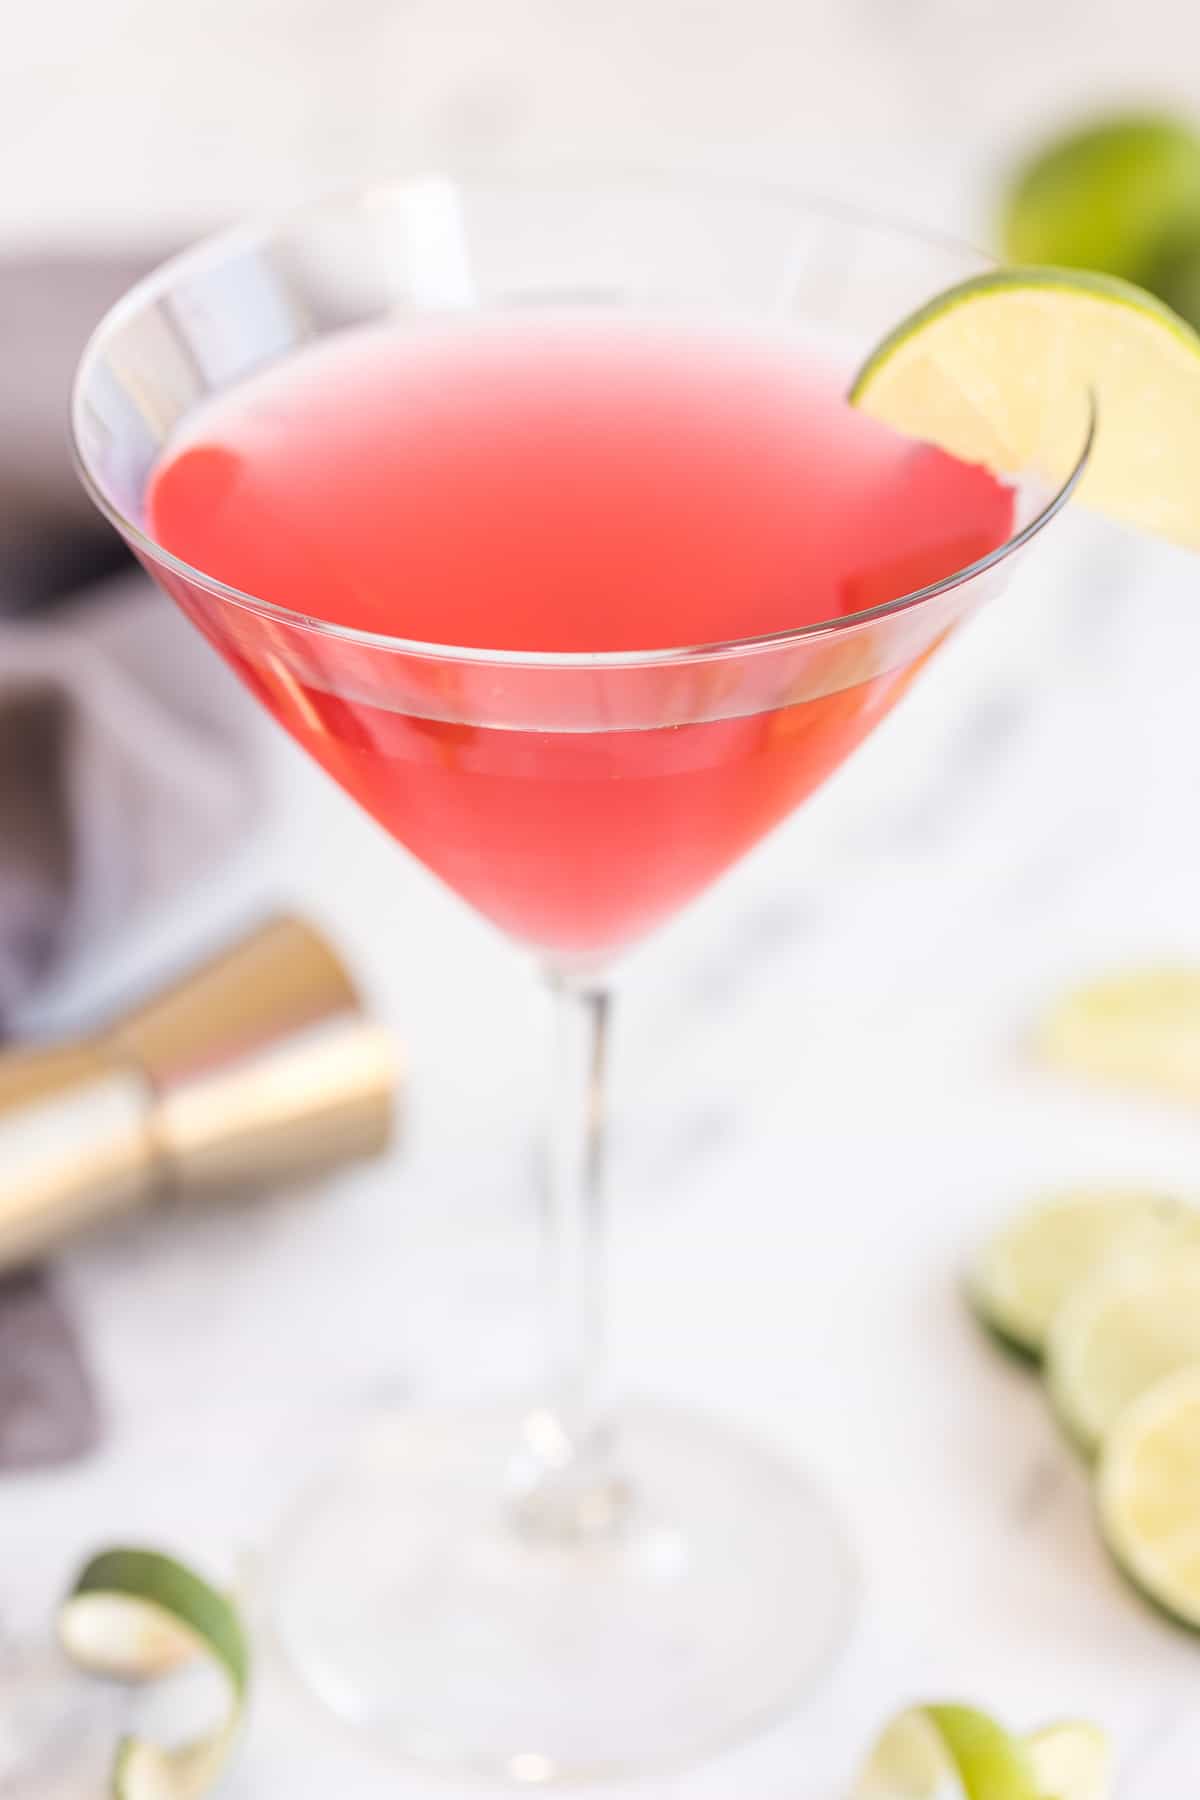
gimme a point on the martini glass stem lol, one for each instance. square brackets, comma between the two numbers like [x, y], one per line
[576, 1490]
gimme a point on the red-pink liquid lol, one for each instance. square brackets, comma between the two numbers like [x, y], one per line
[559, 485]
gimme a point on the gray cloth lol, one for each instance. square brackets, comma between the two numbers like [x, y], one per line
[122, 738]
[123, 770]
[52, 541]
[124, 758]
[48, 1410]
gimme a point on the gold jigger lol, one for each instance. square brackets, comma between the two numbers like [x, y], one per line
[258, 1067]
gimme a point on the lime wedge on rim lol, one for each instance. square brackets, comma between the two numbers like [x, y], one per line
[138, 1615]
[999, 370]
[1135, 1321]
[1026, 1270]
[946, 1753]
[1071, 1761]
[1148, 1494]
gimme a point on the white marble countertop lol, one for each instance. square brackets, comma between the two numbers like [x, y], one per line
[835, 1036]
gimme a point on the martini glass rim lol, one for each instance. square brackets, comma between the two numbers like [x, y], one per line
[217, 246]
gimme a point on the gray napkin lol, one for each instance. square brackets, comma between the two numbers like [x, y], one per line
[122, 738]
[52, 541]
[125, 761]
[48, 1411]
[124, 753]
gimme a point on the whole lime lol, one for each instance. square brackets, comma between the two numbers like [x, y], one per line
[1121, 195]
[1175, 278]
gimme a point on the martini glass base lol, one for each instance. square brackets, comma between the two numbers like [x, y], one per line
[411, 1598]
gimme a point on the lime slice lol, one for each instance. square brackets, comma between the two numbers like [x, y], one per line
[999, 370]
[1141, 1027]
[1133, 1322]
[1071, 1761]
[1113, 195]
[138, 1615]
[946, 1753]
[1148, 1494]
[1024, 1273]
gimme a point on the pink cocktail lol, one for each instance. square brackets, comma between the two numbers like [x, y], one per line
[535, 512]
[562, 484]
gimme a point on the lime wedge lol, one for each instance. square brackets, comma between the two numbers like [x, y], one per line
[1117, 194]
[138, 1615]
[1148, 1494]
[999, 371]
[946, 1753]
[1141, 1027]
[1133, 1322]
[1071, 1761]
[1024, 1273]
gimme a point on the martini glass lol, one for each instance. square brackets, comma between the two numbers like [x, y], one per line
[553, 1589]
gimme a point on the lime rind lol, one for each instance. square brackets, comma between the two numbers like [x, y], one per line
[1089, 283]
[138, 1615]
[1021, 1355]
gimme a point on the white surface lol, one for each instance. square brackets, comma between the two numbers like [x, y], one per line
[821, 1099]
[821, 1093]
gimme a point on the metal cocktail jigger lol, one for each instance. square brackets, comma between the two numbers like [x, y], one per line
[258, 1068]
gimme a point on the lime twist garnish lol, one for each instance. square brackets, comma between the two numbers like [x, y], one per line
[952, 1752]
[138, 1615]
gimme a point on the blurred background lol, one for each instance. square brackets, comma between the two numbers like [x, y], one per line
[838, 1033]
[122, 118]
